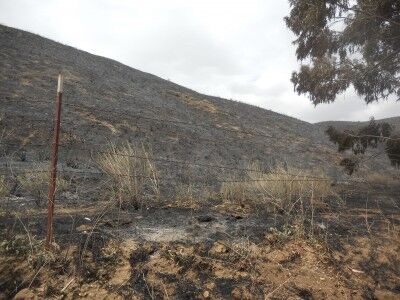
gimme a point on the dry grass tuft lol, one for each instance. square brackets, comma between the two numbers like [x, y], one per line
[386, 179]
[4, 189]
[36, 183]
[280, 188]
[197, 103]
[235, 192]
[285, 191]
[133, 173]
[185, 196]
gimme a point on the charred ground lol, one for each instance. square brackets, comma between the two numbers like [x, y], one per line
[347, 246]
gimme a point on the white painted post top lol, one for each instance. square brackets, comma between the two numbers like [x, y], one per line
[60, 83]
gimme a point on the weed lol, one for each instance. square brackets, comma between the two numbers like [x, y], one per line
[387, 179]
[284, 191]
[36, 183]
[185, 196]
[4, 189]
[132, 172]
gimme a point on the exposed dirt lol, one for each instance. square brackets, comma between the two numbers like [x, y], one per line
[182, 253]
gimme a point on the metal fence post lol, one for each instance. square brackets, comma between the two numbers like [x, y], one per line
[54, 158]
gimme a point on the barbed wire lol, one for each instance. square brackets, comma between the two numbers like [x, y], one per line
[174, 179]
[131, 115]
[167, 160]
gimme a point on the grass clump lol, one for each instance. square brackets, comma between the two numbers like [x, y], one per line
[288, 192]
[383, 179]
[36, 183]
[192, 195]
[280, 188]
[286, 187]
[4, 189]
[133, 174]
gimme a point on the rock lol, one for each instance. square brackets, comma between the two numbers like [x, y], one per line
[84, 228]
[205, 218]
[385, 295]
[237, 217]
[55, 247]
[236, 293]
[25, 294]
[218, 248]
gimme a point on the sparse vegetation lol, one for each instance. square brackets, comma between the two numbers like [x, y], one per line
[35, 182]
[270, 233]
[132, 174]
[358, 141]
[185, 196]
[4, 189]
[281, 188]
[293, 194]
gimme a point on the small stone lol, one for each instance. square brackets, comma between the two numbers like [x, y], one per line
[236, 293]
[385, 294]
[25, 294]
[56, 247]
[206, 294]
[218, 248]
[204, 218]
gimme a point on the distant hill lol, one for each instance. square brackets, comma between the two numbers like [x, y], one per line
[106, 101]
[394, 121]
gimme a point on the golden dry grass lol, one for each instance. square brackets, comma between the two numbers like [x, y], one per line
[281, 188]
[197, 103]
[132, 171]
[382, 178]
[36, 183]
[185, 196]
[4, 189]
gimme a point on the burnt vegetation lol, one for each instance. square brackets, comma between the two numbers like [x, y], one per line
[167, 193]
[357, 141]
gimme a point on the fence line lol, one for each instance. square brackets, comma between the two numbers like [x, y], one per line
[305, 179]
[173, 161]
[88, 109]
[296, 177]
[167, 160]
[85, 109]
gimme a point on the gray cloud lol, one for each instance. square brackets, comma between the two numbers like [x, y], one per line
[233, 49]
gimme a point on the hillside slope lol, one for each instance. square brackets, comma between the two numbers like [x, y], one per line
[394, 121]
[106, 101]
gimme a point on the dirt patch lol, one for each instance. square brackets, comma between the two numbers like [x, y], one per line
[197, 103]
[186, 225]
[182, 253]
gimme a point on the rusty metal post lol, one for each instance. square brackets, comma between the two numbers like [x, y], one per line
[54, 158]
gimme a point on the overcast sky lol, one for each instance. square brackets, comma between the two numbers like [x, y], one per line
[233, 49]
